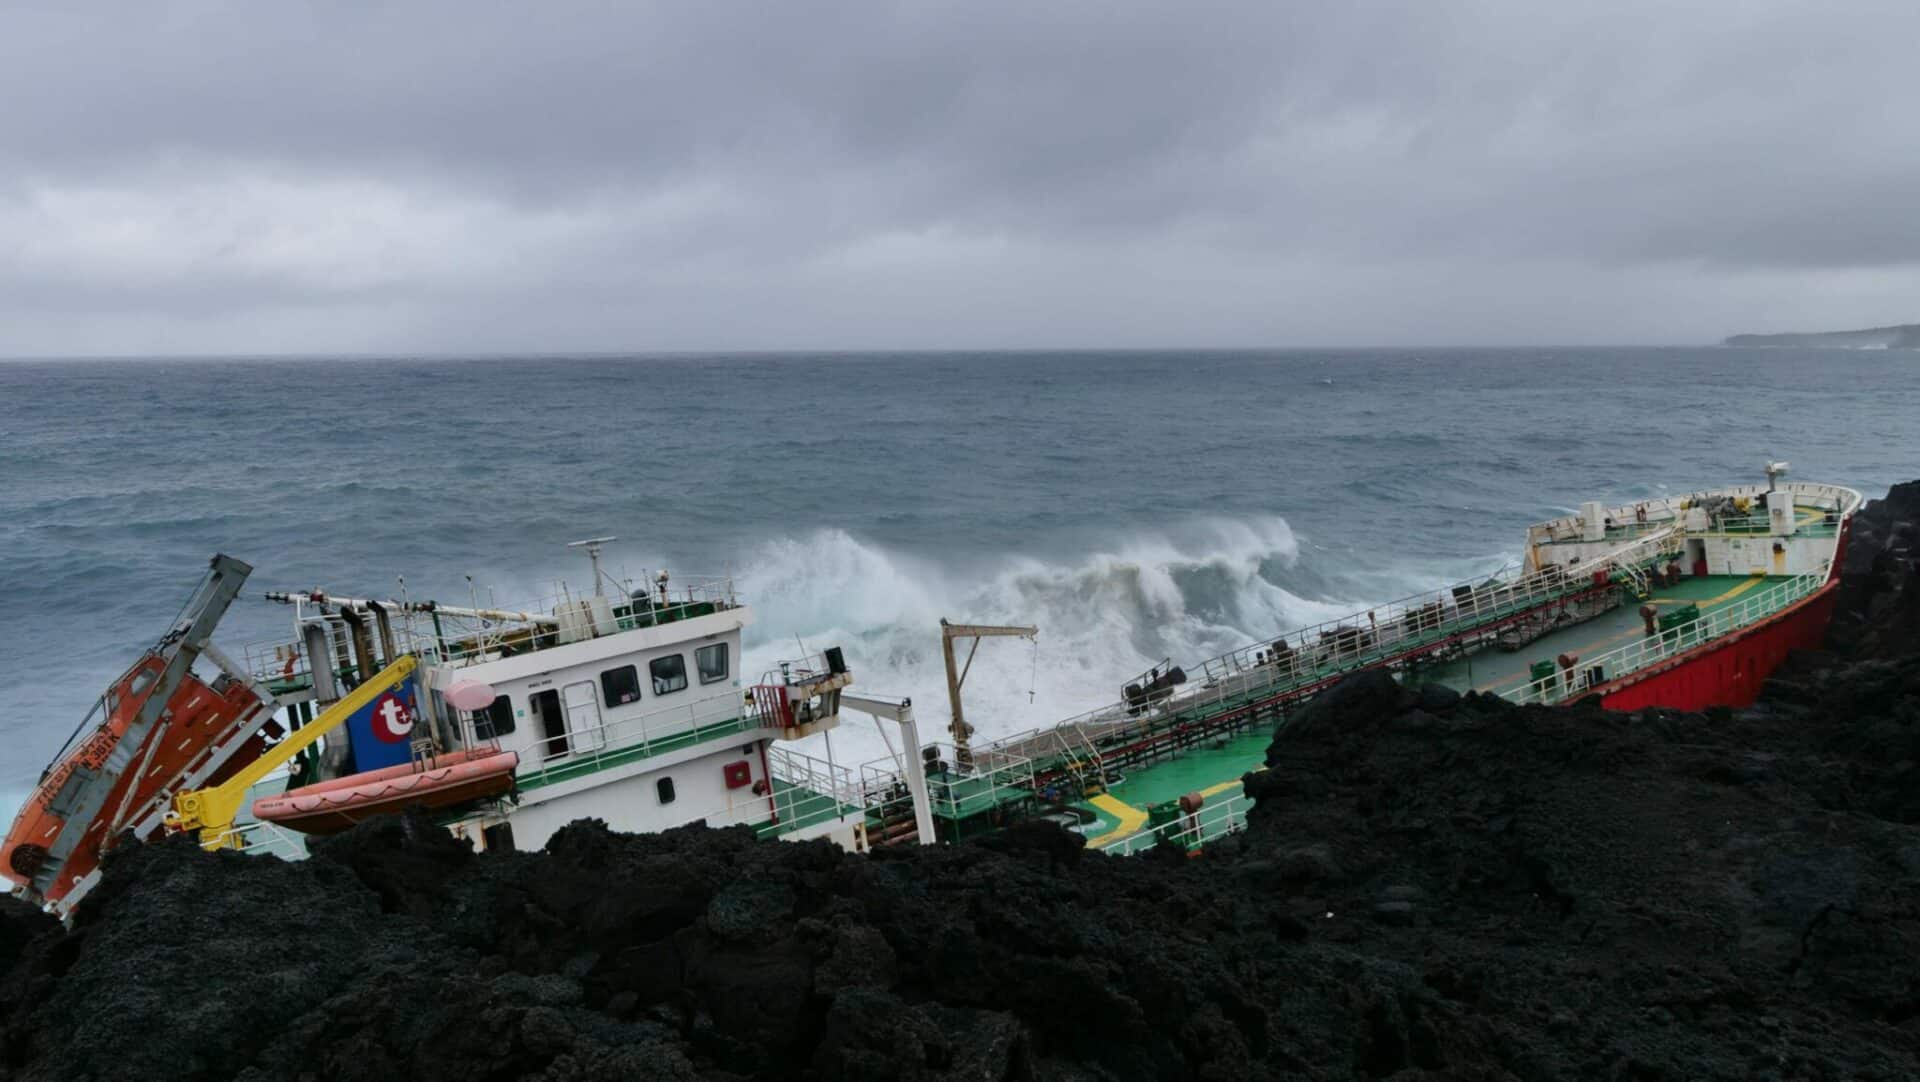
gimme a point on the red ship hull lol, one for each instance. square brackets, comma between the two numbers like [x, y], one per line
[1730, 670]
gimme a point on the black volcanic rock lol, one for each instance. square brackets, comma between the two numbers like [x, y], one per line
[1431, 886]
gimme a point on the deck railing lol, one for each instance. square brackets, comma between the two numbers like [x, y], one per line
[1312, 655]
[589, 747]
[1211, 822]
[448, 637]
[1672, 642]
[261, 838]
[995, 777]
[808, 791]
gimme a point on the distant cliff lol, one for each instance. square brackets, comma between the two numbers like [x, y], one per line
[1903, 336]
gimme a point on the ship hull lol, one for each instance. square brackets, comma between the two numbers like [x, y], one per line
[1730, 670]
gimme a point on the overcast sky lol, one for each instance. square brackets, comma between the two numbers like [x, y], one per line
[712, 175]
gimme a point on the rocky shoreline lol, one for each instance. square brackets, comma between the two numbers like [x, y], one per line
[1430, 886]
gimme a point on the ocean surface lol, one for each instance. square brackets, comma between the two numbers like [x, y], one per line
[1134, 505]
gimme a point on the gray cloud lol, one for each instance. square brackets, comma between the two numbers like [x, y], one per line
[453, 176]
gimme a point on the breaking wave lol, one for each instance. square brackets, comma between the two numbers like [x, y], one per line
[1104, 616]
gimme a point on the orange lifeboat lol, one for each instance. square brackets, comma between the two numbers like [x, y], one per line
[161, 729]
[211, 731]
[329, 807]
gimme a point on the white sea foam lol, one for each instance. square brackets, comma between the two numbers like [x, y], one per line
[1104, 617]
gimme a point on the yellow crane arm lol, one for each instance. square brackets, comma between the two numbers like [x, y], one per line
[211, 811]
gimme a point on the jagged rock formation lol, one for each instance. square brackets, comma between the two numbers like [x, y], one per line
[1432, 886]
[1899, 336]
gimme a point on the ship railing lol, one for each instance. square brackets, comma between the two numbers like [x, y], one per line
[798, 672]
[1190, 832]
[1671, 509]
[276, 662]
[556, 619]
[995, 777]
[626, 739]
[1316, 653]
[807, 790]
[884, 791]
[484, 629]
[260, 838]
[1663, 645]
[1761, 523]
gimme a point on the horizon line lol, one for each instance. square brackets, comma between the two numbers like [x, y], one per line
[437, 354]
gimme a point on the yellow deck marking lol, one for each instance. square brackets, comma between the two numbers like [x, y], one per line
[1737, 590]
[1131, 818]
[1728, 596]
[1216, 790]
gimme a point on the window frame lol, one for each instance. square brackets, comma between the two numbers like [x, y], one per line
[485, 726]
[663, 790]
[726, 663]
[607, 694]
[677, 659]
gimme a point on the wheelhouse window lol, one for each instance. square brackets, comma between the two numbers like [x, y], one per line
[620, 686]
[669, 673]
[495, 721]
[664, 788]
[712, 662]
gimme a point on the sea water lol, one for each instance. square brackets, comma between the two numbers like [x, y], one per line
[1133, 505]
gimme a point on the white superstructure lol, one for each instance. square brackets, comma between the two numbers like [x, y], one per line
[623, 703]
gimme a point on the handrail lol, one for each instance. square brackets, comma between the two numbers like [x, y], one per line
[259, 838]
[1659, 647]
[596, 743]
[452, 636]
[1330, 648]
[1212, 821]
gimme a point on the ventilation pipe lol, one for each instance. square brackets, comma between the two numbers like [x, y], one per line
[385, 624]
[319, 645]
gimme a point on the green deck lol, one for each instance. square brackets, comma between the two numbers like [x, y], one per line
[1214, 770]
[801, 807]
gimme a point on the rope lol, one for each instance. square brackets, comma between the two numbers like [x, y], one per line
[1033, 677]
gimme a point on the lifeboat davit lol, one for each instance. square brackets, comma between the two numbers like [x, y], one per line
[330, 807]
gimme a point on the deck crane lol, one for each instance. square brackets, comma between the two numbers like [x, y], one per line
[210, 812]
[962, 752]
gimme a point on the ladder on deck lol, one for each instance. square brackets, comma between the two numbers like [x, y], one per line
[1628, 562]
[1080, 757]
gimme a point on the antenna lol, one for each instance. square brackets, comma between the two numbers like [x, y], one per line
[592, 545]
